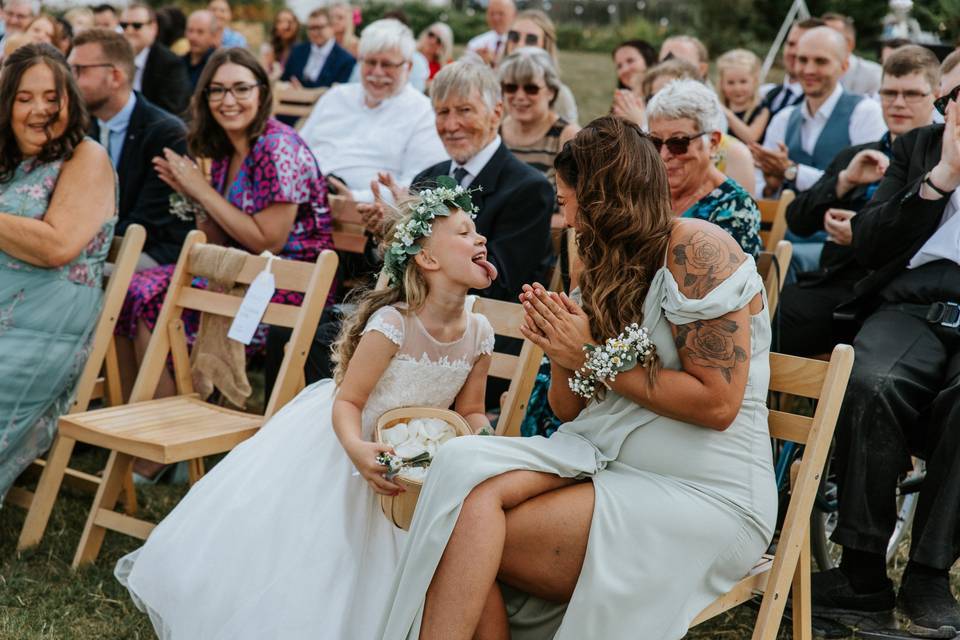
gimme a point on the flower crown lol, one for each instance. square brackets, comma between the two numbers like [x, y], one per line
[428, 204]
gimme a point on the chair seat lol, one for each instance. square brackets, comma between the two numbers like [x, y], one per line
[755, 581]
[166, 430]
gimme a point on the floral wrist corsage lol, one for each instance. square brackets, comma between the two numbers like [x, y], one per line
[604, 362]
[186, 209]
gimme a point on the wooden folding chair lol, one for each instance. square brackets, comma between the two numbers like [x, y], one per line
[773, 269]
[184, 428]
[773, 219]
[100, 379]
[348, 228]
[295, 102]
[564, 240]
[790, 565]
[520, 370]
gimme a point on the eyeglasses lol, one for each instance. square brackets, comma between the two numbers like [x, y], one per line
[909, 96]
[678, 145]
[79, 68]
[316, 28]
[529, 39]
[941, 103]
[136, 26]
[383, 64]
[529, 89]
[242, 92]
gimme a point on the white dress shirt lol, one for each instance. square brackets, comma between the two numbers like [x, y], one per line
[317, 58]
[354, 142]
[489, 40]
[139, 63]
[476, 164]
[866, 125]
[945, 241]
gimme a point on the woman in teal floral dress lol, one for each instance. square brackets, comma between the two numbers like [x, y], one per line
[57, 208]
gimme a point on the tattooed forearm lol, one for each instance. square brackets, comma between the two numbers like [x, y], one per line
[704, 260]
[710, 343]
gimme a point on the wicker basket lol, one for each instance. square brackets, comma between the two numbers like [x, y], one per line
[399, 509]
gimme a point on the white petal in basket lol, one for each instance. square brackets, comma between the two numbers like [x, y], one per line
[434, 429]
[396, 435]
[409, 449]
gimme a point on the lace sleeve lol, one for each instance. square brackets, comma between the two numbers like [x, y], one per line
[388, 321]
[485, 336]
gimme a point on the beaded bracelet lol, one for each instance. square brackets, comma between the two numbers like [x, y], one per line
[617, 355]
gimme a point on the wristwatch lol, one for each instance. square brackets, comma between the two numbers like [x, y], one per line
[927, 181]
[790, 173]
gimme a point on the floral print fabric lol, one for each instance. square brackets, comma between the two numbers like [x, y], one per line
[730, 207]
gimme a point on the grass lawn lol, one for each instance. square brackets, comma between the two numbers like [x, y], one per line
[42, 598]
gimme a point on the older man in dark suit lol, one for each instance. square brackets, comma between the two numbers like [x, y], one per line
[160, 74]
[320, 62]
[134, 131]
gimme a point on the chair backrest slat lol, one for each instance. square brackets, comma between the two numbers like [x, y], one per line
[348, 228]
[221, 304]
[773, 219]
[287, 274]
[797, 376]
[789, 426]
[503, 366]
[505, 317]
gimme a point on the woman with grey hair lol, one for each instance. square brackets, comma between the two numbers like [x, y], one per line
[685, 124]
[531, 129]
[436, 45]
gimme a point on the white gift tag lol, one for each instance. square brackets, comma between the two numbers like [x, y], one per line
[254, 305]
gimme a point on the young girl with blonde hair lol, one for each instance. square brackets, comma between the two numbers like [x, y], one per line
[285, 538]
[739, 89]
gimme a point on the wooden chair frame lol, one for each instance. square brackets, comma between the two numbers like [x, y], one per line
[124, 253]
[789, 567]
[773, 219]
[295, 102]
[520, 370]
[349, 231]
[772, 267]
[182, 427]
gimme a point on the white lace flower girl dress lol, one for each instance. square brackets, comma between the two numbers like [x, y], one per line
[282, 539]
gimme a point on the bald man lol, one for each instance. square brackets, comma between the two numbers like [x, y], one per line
[490, 44]
[862, 76]
[802, 140]
[203, 34]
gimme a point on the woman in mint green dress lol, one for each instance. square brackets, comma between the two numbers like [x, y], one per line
[57, 214]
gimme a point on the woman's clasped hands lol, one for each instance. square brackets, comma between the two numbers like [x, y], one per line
[181, 173]
[556, 324]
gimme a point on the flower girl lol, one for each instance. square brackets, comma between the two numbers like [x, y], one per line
[285, 538]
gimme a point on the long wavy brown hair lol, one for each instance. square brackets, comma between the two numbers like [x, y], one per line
[60, 148]
[623, 219]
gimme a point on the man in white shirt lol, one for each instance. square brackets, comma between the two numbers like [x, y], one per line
[490, 44]
[863, 76]
[381, 125]
[903, 397]
[160, 75]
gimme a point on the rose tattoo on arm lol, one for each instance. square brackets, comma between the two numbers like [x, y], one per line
[710, 344]
[704, 261]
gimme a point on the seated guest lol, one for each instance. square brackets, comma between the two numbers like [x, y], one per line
[160, 74]
[685, 121]
[283, 36]
[341, 21]
[18, 14]
[802, 140]
[229, 37]
[889, 46]
[52, 252]
[902, 398]
[80, 19]
[266, 192]
[790, 91]
[172, 29]
[380, 124]
[436, 45]
[534, 28]
[134, 131]
[320, 62]
[105, 17]
[862, 76]
[911, 81]
[491, 45]
[632, 59]
[690, 49]
[203, 36]
[45, 29]
[739, 90]
[530, 129]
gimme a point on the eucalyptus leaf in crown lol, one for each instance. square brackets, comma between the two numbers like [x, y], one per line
[428, 205]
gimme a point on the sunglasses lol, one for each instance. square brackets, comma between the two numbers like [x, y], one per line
[529, 89]
[678, 145]
[941, 103]
[136, 26]
[529, 39]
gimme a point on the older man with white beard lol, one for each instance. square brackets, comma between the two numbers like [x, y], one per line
[381, 125]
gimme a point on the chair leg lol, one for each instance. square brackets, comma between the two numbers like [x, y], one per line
[195, 470]
[114, 474]
[46, 494]
[802, 611]
[129, 498]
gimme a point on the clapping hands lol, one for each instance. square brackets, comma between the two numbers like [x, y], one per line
[556, 324]
[181, 173]
[627, 105]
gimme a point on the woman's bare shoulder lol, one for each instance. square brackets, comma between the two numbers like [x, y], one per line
[90, 155]
[701, 255]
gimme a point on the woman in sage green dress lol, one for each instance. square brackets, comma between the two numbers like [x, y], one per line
[57, 208]
[657, 494]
